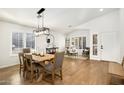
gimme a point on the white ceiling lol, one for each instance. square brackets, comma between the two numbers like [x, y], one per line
[58, 19]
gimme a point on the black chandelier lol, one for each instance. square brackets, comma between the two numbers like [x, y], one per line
[41, 30]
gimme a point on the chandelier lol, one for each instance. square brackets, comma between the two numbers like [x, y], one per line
[41, 29]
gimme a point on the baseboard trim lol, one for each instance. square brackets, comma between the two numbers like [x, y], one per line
[4, 66]
[104, 61]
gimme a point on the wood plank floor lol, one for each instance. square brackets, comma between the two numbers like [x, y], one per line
[75, 72]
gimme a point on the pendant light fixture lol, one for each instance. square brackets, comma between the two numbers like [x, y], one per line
[41, 29]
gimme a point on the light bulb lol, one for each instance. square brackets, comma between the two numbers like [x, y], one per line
[101, 9]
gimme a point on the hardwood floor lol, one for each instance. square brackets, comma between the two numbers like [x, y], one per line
[75, 72]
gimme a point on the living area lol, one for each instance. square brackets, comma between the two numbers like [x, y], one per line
[77, 44]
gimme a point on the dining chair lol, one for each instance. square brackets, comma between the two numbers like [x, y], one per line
[26, 50]
[31, 67]
[21, 60]
[55, 67]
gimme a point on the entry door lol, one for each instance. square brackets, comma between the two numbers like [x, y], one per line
[109, 46]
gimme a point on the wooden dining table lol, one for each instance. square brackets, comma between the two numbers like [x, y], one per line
[41, 59]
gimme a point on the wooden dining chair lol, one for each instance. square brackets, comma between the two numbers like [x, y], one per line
[26, 50]
[55, 67]
[31, 67]
[21, 60]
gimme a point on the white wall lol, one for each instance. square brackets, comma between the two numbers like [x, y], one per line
[6, 29]
[121, 33]
[106, 23]
[80, 33]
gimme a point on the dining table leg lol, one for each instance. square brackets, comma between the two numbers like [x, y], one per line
[40, 76]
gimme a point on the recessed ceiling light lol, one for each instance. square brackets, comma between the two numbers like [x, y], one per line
[101, 9]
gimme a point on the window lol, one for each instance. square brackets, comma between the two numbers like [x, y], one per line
[95, 44]
[21, 40]
[72, 41]
[84, 42]
[77, 42]
[67, 42]
[17, 42]
[30, 41]
[80, 42]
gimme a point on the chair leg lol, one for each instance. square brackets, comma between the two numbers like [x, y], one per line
[37, 73]
[53, 77]
[24, 74]
[43, 76]
[61, 74]
[20, 70]
[32, 76]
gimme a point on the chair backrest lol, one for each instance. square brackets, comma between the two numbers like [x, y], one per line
[26, 50]
[59, 57]
[21, 58]
[28, 62]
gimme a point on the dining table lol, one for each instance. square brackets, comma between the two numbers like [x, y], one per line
[41, 59]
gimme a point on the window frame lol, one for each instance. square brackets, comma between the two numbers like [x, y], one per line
[24, 42]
